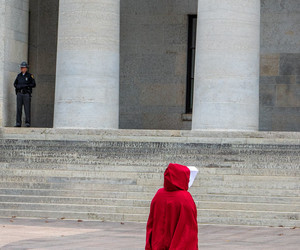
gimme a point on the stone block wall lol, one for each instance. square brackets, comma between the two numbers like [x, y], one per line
[42, 59]
[2, 32]
[153, 63]
[280, 65]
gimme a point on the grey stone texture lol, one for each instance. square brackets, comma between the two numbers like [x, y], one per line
[42, 59]
[226, 92]
[153, 63]
[87, 70]
[244, 178]
[13, 50]
[280, 65]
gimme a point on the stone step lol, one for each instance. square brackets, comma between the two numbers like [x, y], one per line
[235, 213]
[80, 174]
[248, 199]
[76, 193]
[238, 182]
[282, 170]
[69, 180]
[149, 169]
[220, 190]
[290, 208]
[41, 201]
[70, 167]
[116, 217]
[213, 144]
[255, 219]
[209, 167]
[146, 195]
[111, 186]
[248, 221]
[242, 183]
[19, 144]
[120, 187]
[22, 182]
[153, 177]
[193, 146]
[227, 154]
[74, 208]
[84, 201]
[209, 160]
[263, 215]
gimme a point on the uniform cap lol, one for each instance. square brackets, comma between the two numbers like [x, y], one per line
[23, 65]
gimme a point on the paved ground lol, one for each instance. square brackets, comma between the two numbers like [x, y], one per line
[60, 234]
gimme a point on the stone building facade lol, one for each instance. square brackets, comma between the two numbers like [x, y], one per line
[124, 64]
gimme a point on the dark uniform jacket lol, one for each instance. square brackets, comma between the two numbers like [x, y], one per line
[24, 83]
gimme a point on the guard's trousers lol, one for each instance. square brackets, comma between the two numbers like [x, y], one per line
[23, 99]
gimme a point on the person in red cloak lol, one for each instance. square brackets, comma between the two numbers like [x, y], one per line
[172, 222]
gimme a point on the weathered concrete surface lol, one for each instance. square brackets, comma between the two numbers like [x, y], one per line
[60, 234]
[87, 70]
[226, 92]
[13, 50]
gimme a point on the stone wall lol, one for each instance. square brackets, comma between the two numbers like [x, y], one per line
[2, 32]
[153, 63]
[280, 65]
[42, 59]
[13, 50]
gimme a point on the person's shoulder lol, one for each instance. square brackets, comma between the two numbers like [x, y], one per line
[184, 195]
[158, 194]
[29, 74]
[187, 194]
[160, 191]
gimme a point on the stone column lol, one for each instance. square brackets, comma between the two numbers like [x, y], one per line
[226, 95]
[14, 17]
[87, 71]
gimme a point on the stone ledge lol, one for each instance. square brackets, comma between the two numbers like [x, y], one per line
[179, 136]
[187, 117]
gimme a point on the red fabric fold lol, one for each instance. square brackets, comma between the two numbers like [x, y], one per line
[172, 222]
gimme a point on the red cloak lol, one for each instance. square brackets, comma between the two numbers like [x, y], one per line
[172, 222]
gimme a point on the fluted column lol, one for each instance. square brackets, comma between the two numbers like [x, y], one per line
[87, 72]
[226, 95]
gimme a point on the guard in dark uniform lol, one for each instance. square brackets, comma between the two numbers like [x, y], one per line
[23, 85]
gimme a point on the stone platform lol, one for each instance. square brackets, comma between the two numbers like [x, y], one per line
[245, 178]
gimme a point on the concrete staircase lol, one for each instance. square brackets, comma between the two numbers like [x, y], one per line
[244, 178]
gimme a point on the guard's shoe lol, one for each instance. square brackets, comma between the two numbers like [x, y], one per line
[17, 126]
[27, 125]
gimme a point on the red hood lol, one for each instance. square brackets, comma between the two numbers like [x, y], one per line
[176, 177]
